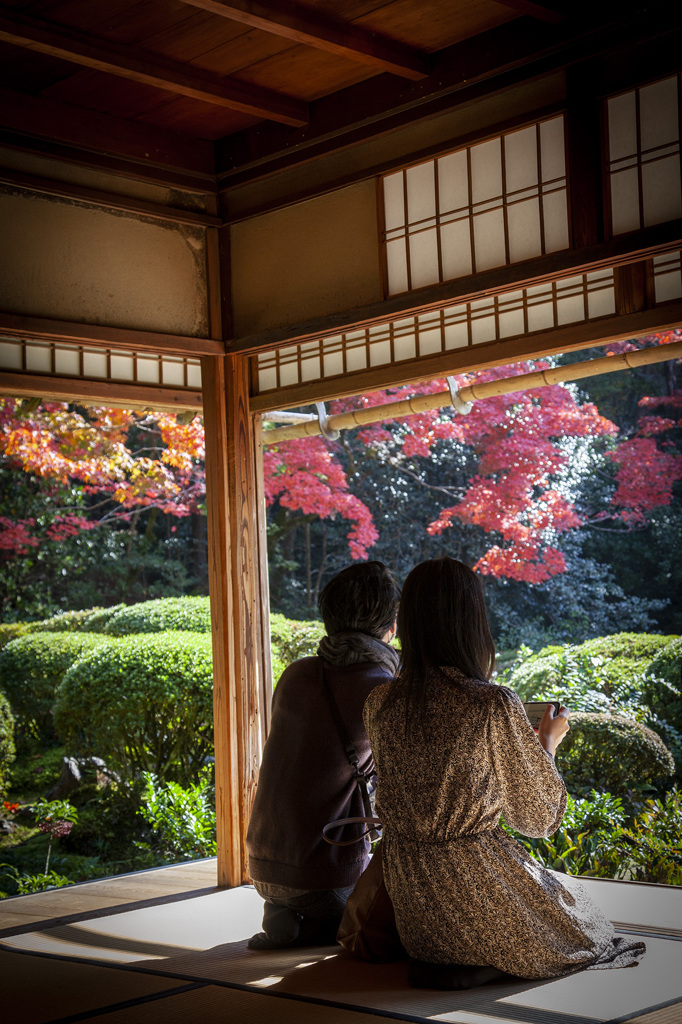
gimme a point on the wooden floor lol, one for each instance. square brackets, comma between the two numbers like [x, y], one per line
[167, 945]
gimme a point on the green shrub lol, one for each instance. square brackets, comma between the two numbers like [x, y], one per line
[663, 683]
[142, 703]
[621, 657]
[36, 772]
[183, 820]
[31, 669]
[166, 613]
[596, 838]
[87, 620]
[611, 753]
[7, 750]
[109, 824]
[98, 619]
[650, 848]
[292, 639]
[25, 883]
[531, 674]
[585, 830]
[12, 630]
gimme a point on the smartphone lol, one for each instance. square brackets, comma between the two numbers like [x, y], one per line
[535, 709]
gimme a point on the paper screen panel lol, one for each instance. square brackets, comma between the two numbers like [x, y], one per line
[489, 205]
[645, 180]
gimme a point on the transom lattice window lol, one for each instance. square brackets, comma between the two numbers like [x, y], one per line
[668, 276]
[542, 307]
[489, 205]
[80, 361]
[644, 155]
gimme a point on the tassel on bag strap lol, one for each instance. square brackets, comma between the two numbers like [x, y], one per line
[351, 755]
[340, 822]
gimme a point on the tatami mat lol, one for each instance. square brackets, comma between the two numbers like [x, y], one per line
[38, 988]
[227, 1006]
[202, 940]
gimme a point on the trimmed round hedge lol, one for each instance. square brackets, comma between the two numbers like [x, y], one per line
[11, 630]
[665, 702]
[87, 620]
[31, 669]
[624, 655]
[611, 753]
[143, 703]
[7, 750]
[291, 640]
[165, 613]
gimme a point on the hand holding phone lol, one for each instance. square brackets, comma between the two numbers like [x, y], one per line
[535, 709]
[549, 719]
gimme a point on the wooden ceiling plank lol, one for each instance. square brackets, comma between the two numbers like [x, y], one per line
[544, 12]
[463, 73]
[331, 35]
[79, 48]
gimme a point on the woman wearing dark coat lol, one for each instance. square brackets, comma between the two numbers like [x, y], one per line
[305, 778]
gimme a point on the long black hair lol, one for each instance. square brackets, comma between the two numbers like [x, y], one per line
[442, 621]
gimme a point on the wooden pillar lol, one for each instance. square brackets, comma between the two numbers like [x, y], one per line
[585, 154]
[239, 602]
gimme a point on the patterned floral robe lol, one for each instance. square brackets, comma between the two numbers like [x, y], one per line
[463, 889]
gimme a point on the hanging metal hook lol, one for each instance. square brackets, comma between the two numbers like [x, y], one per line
[325, 429]
[463, 408]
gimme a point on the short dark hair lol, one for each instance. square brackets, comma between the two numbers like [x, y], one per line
[362, 598]
[442, 621]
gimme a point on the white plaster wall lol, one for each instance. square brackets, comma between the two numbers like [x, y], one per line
[66, 260]
[305, 261]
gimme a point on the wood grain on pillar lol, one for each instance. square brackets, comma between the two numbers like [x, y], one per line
[239, 603]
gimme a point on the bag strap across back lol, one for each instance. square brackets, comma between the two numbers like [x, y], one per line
[353, 760]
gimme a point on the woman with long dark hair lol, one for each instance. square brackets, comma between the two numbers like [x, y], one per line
[454, 752]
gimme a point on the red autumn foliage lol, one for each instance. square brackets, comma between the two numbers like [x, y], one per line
[304, 476]
[514, 496]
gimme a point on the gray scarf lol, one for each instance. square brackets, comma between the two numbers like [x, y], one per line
[353, 647]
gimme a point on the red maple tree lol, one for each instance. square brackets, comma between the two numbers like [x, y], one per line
[136, 460]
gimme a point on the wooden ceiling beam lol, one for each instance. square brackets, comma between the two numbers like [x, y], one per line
[463, 73]
[331, 35]
[148, 69]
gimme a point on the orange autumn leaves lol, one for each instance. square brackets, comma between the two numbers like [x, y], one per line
[517, 494]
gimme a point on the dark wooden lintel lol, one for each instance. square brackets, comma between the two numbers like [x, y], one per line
[87, 391]
[14, 325]
[620, 251]
[109, 200]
